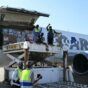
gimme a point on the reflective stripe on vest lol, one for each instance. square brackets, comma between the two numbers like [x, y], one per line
[37, 29]
[26, 75]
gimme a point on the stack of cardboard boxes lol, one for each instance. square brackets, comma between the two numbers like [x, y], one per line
[16, 35]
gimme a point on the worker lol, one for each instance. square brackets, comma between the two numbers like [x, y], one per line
[36, 33]
[26, 80]
[50, 35]
[48, 27]
[20, 68]
[15, 81]
[27, 77]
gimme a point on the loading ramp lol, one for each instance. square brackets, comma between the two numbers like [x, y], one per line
[33, 47]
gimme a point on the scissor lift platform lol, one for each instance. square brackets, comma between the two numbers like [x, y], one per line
[33, 47]
[37, 50]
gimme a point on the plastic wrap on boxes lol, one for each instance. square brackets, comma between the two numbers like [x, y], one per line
[16, 35]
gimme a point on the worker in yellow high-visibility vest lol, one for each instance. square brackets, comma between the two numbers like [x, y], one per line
[36, 33]
[19, 69]
[26, 80]
[16, 75]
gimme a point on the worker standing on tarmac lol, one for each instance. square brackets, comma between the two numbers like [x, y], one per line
[26, 80]
[15, 81]
[20, 68]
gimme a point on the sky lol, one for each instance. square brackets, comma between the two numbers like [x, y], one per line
[67, 15]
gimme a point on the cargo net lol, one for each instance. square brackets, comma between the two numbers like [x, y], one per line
[62, 85]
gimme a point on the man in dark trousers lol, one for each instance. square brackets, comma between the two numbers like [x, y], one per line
[50, 35]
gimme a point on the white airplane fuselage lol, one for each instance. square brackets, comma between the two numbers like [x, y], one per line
[77, 46]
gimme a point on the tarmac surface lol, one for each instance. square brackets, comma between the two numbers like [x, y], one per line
[49, 85]
[4, 86]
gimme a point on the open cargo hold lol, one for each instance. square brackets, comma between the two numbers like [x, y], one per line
[15, 23]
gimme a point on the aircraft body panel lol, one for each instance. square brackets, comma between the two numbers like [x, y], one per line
[74, 41]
